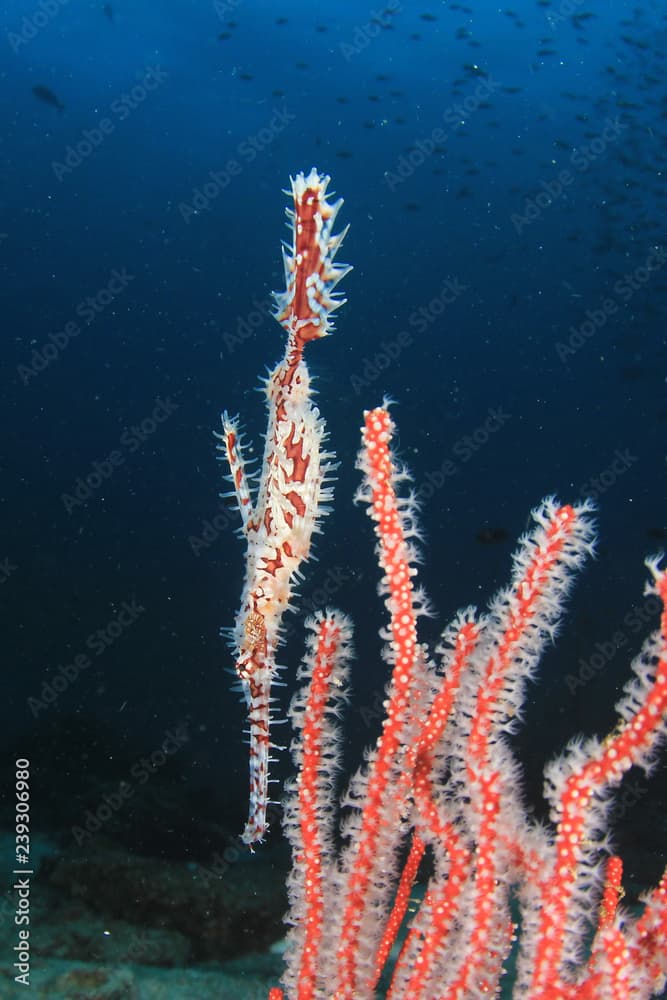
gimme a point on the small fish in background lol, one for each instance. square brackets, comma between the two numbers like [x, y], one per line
[108, 12]
[45, 94]
[491, 536]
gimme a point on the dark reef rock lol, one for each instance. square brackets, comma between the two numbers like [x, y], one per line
[220, 916]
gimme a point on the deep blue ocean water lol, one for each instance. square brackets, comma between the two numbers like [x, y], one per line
[503, 175]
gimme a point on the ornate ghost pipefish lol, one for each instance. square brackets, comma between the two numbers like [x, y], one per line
[280, 515]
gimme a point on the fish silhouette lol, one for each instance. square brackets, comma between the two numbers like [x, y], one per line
[45, 94]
